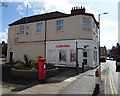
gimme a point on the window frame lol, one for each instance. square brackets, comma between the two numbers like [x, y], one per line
[22, 30]
[40, 27]
[60, 25]
[87, 23]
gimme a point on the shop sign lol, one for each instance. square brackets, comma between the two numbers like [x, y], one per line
[60, 46]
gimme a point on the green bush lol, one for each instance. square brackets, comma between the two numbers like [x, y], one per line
[33, 69]
[34, 64]
[49, 66]
[19, 66]
[39, 57]
[11, 63]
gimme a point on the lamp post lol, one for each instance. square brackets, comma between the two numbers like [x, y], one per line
[99, 32]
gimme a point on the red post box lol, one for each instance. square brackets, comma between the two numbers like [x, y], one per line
[41, 69]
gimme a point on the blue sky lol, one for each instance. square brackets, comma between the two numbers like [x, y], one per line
[109, 22]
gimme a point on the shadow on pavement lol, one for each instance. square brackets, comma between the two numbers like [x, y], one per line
[21, 84]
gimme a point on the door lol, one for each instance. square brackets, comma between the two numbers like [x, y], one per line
[85, 57]
[11, 56]
[80, 57]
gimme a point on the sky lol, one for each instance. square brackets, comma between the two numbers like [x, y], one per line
[108, 22]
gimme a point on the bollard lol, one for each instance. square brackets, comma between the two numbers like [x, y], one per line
[98, 79]
[41, 70]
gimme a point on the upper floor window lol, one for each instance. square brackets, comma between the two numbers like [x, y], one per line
[60, 25]
[86, 23]
[96, 29]
[39, 27]
[22, 29]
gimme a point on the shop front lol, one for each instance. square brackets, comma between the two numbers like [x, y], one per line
[63, 53]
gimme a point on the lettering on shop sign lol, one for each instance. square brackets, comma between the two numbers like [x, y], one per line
[60, 46]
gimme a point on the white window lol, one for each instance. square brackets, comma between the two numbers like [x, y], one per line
[72, 55]
[22, 30]
[96, 29]
[60, 25]
[86, 23]
[52, 55]
[39, 27]
[95, 55]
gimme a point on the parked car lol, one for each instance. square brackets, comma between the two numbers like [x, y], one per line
[118, 64]
[103, 58]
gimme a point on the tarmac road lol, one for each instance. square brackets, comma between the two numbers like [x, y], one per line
[112, 78]
[85, 84]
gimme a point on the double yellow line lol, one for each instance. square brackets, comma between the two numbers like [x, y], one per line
[113, 89]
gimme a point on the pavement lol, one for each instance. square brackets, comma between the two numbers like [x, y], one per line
[62, 83]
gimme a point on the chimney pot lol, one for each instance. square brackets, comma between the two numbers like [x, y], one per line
[78, 10]
[81, 7]
[74, 8]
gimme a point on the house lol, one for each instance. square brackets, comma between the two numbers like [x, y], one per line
[115, 52]
[56, 36]
[103, 54]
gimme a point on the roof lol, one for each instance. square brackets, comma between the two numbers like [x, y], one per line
[40, 17]
[48, 16]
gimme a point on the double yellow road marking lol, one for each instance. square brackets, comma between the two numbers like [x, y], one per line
[112, 85]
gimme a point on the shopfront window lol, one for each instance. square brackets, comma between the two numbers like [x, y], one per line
[73, 55]
[62, 56]
[84, 54]
[52, 56]
[95, 55]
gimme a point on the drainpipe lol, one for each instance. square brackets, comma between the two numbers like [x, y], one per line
[45, 37]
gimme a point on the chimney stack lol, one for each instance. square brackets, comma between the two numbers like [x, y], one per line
[77, 10]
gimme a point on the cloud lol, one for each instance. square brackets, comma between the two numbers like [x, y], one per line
[109, 38]
[63, 0]
[3, 36]
[38, 11]
[26, 3]
[58, 5]
[20, 10]
[109, 33]
[108, 23]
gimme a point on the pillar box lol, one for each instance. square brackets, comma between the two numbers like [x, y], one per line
[41, 69]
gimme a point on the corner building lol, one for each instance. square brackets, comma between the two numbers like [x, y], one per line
[56, 36]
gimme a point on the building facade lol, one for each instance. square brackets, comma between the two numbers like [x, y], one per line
[54, 36]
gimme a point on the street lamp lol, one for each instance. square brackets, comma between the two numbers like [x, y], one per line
[99, 32]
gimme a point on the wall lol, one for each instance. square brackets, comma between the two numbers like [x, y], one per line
[33, 50]
[32, 42]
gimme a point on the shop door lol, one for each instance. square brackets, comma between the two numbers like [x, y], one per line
[85, 58]
[80, 57]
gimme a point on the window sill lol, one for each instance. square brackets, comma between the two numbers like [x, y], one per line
[60, 31]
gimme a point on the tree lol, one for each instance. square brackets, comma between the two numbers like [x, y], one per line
[4, 48]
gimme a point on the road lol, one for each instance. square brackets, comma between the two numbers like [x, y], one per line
[85, 84]
[111, 78]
